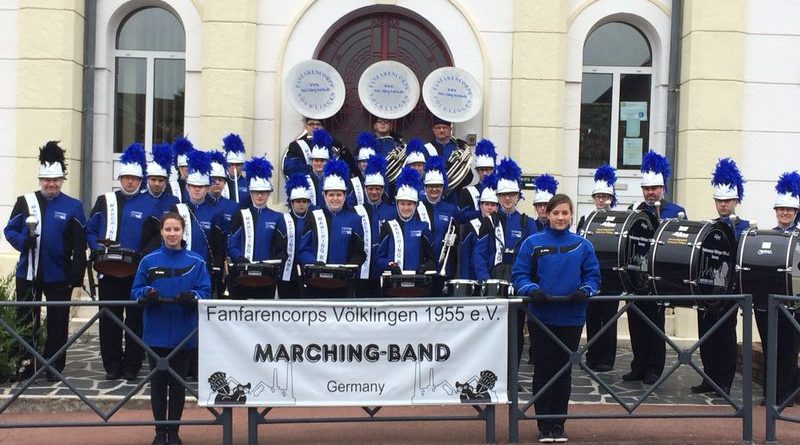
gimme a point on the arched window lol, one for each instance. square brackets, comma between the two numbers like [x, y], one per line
[615, 97]
[150, 75]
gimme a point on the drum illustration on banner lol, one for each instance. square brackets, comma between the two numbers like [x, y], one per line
[388, 89]
[315, 89]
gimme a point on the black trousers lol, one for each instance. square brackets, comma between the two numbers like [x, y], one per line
[548, 359]
[118, 357]
[57, 328]
[604, 350]
[649, 350]
[718, 352]
[788, 375]
[167, 395]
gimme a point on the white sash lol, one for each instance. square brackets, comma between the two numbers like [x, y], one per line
[399, 242]
[183, 210]
[358, 189]
[476, 225]
[248, 234]
[322, 235]
[287, 267]
[473, 191]
[362, 212]
[431, 150]
[313, 188]
[176, 189]
[306, 150]
[423, 215]
[226, 191]
[499, 238]
[34, 211]
[112, 221]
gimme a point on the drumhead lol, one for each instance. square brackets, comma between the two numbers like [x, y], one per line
[388, 89]
[315, 89]
[452, 94]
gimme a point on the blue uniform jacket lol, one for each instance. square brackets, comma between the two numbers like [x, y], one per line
[170, 272]
[468, 237]
[203, 218]
[226, 208]
[513, 235]
[378, 214]
[738, 228]
[440, 214]
[133, 212]
[667, 210]
[164, 201]
[62, 249]
[417, 246]
[558, 262]
[385, 145]
[241, 184]
[467, 209]
[270, 235]
[345, 235]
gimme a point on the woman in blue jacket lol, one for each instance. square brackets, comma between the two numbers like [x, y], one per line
[555, 262]
[170, 273]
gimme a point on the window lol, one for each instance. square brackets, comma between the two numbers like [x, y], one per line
[150, 76]
[615, 97]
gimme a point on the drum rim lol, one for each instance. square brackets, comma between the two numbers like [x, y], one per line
[633, 216]
[496, 281]
[462, 281]
[787, 261]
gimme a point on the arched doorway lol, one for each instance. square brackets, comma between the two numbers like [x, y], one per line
[372, 34]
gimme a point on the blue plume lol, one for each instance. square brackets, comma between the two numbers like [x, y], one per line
[727, 172]
[375, 164]
[297, 180]
[416, 144]
[508, 169]
[219, 157]
[490, 181]
[199, 161]
[546, 183]
[437, 163]
[606, 173]
[258, 167]
[485, 147]
[365, 139]
[135, 154]
[336, 167]
[409, 177]
[182, 146]
[233, 143]
[789, 182]
[654, 162]
[162, 155]
[322, 138]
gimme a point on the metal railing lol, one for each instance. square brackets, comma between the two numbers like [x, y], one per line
[742, 409]
[223, 418]
[777, 310]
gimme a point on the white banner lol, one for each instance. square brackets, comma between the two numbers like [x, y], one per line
[348, 353]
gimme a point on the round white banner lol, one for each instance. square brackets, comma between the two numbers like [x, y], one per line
[452, 94]
[388, 89]
[315, 89]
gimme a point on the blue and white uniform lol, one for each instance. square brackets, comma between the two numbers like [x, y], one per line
[414, 237]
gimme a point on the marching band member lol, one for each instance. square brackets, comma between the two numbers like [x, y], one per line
[236, 180]
[546, 186]
[467, 199]
[52, 258]
[320, 155]
[387, 139]
[366, 148]
[469, 231]
[601, 355]
[415, 156]
[225, 209]
[257, 233]
[405, 242]
[787, 203]
[333, 234]
[649, 350]
[559, 263]
[298, 193]
[119, 218]
[718, 352]
[158, 171]
[181, 147]
[444, 144]
[438, 214]
[297, 158]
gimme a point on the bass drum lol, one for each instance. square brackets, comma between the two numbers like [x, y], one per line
[768, 262]
[621, 241]
[692, 258]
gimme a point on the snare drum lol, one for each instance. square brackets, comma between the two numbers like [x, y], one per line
[255, 274]
[692, 258]
[329, 276]
[621, 241]
[768, 263]
[462, 288]
[496, 288]
[406, 285]
[115, 261]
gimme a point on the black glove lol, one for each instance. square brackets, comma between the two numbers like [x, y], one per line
[242, 259]
[539, 296]
[395, 270]
[150, 298]
[421, 270]
[29, 242]
[319, 263]
[577, 296]
[186, 300]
